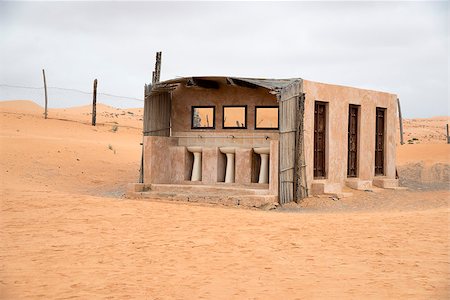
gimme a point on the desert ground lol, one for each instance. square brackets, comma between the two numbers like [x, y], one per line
[67, 232]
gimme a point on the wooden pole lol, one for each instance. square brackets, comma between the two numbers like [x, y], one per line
[158, 66]
[94, 104]
[147, 91]
[448, 136]
[157, 73]
[45, 90]
[400, 121]
[141, 169]
[301, 187]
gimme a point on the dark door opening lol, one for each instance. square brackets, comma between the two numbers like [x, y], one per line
[379, 141]
[352, 159]
[319, 139]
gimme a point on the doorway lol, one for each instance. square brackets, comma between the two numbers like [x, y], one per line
[352, 158]
[379, 141]
[319, 139]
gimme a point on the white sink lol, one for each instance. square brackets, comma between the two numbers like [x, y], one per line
[264, 150]
[194, 149]
[227, 150]
[197, 165]
[264, 168]
[229, 172]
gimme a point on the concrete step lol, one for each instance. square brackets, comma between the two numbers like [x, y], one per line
[258, 201]
[211, 190]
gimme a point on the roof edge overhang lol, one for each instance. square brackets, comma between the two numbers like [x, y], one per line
[274, 86]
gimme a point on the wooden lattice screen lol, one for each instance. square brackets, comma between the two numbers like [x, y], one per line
[157, 108]
[291, 102]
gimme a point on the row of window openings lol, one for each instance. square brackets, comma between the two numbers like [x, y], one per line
[320, 112]
[234, 117]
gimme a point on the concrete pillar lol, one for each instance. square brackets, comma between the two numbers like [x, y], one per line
[243, 166]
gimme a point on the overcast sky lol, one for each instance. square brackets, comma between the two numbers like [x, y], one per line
[399, 47]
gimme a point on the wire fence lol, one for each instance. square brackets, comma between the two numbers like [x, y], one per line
[67, 89]
[63, 97]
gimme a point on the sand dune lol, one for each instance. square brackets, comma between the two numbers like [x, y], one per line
[426, 131]
[66, 231]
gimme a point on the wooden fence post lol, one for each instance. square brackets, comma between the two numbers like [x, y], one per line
[45, 90]
[448, 136]
[400, 121]
[141, 169]
[94, 104]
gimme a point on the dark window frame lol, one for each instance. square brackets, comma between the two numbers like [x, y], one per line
[223, 116]
[203, 106]
[267, 128]
[357, 142]
[325, 141]
[377, 171]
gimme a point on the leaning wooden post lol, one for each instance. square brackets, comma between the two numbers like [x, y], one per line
[45, 90]
[401, 121]
[448, 136]
[94, 104]
[157, 73]
[158, 67]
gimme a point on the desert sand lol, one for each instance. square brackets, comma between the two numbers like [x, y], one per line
[66, 230]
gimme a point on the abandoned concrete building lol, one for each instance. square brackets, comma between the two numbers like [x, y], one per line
[247, 141]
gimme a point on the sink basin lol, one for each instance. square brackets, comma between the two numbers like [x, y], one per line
[229, 171]
[264, 150]
[197, 165]
[227, 150]
[195, 149]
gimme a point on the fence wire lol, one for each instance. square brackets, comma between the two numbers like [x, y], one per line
[62, 97]
[68, 89]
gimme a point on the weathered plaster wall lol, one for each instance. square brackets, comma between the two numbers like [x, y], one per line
[157, 162]
[273, 168]
[183, 98]
[166, 162]
[338, 99]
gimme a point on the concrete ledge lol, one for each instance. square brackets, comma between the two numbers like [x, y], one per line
[222, 189]
[385, 183]
[231, 195]
[135, 187]
[250, 201]
[322, 187]
[358, 184]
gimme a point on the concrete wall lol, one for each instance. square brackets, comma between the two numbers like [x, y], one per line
[157, 162]
[338, 99]
[167, 162]
[183, 98]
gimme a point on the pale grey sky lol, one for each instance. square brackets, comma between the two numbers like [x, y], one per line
[398, 47]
